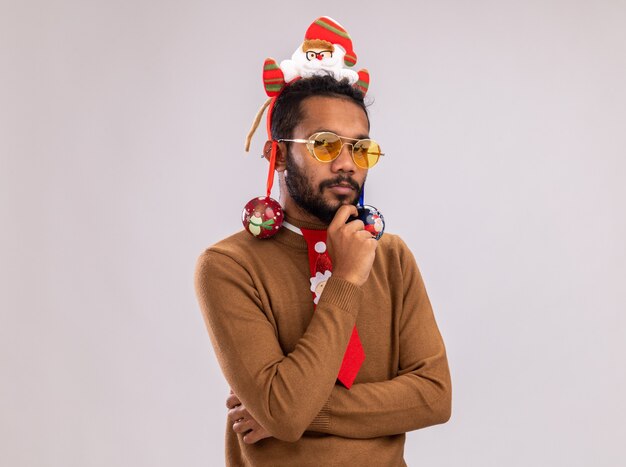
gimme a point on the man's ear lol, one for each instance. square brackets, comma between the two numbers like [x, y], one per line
[281, 155]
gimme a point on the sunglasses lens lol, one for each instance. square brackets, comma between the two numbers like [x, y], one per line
[366, 153]
[325, 146]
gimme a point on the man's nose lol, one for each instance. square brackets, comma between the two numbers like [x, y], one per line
[344, 162]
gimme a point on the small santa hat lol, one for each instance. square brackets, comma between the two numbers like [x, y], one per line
[330, 30]
[322, 262]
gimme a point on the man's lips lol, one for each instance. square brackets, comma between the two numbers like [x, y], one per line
[340, 186]
[342, 189]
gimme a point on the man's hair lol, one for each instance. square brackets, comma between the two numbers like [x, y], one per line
[288, 107]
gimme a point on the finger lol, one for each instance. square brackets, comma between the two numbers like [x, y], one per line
[237, 413]
[254, 436]
[232, 401]
[355, 226]
[364, 234]
[251, 438]
[243, 426]
[370, 240]
[342, 215]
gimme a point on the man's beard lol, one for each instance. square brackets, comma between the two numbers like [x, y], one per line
[312, 201]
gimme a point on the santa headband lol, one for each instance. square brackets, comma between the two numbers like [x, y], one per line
[326, 50]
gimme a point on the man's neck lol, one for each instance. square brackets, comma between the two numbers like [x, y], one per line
[296, 212]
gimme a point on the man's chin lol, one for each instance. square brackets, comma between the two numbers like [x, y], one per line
[341, 200]
[338, 199]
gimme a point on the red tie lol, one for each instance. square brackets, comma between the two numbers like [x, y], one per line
[321, 268]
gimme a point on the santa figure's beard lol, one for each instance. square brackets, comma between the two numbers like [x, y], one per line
[299, 66]
[312, 201]
[309, 67]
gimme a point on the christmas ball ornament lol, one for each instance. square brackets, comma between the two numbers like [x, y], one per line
[262, 216]
[372, 218]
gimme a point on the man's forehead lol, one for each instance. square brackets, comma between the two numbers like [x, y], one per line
[335, 114]
[340, 132]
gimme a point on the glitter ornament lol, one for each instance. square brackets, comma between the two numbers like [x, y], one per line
[372, 218]
[262, 216]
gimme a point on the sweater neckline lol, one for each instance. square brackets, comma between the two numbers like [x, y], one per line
[294, 239]
[288, 225]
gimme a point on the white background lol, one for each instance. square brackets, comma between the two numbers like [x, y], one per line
[122, 126]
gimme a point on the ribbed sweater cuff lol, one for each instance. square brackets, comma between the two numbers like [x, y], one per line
[322, 419]
[342, 294]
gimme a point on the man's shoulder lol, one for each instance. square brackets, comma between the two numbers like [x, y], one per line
[392, 243]
[392, 252]
[241, 248]
[235, 246]
[239, 241]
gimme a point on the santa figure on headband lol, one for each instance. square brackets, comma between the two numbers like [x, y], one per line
[327, 48]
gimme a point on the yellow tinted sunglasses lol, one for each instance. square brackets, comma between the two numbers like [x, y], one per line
[326, 147]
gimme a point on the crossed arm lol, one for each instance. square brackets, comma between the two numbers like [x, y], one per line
[269, 382]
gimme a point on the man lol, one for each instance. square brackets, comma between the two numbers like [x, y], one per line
[280, 356]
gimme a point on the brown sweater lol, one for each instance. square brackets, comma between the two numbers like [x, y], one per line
[281, 357]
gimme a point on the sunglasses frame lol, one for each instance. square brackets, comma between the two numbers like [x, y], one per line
[311, 141]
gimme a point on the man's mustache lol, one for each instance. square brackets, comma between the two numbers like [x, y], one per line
[337, 181]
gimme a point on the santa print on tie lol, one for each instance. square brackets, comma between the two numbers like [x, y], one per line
[321, 270]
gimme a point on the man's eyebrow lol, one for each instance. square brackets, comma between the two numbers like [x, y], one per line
[326, 130]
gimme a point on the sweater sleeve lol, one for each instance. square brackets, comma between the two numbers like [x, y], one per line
[420, 394]
[282, 392]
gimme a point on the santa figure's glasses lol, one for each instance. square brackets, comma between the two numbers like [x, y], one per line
[326, 147]
[312, 55]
